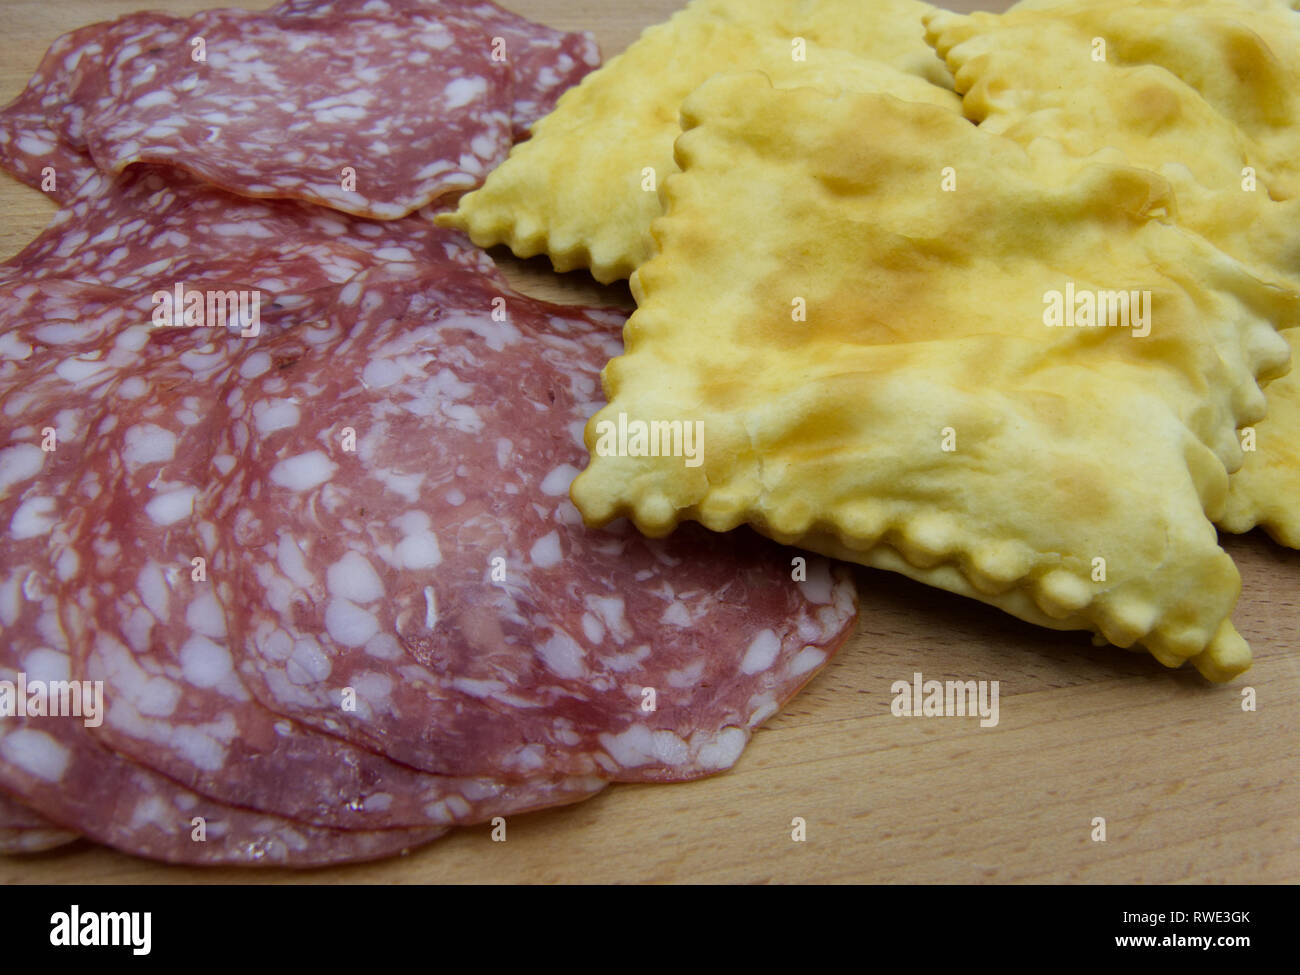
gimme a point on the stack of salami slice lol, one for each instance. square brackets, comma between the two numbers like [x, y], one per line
[284, 467]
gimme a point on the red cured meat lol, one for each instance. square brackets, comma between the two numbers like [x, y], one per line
[70, 80]
[439, 572]
[59, 770]
[56, 765]
[61, 387]
[153, 228]
[19, 841]
[15, 816]
[42, 127]
[98, 72]
[544, 62]
[140, 621]
[55, 381]
[53, 762]
[24, 831]
[416, 109]
[69, 310]
[33, 152]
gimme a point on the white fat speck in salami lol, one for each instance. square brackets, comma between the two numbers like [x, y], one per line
[761, 653]
[303, 472]
[37, 753]
[516, 641]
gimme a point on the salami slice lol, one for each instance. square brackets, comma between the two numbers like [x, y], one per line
[40, 140]
[57, 767]
[142, 616]
[156, 228]
[15, 816]
[543, 62]
[23, 830]
[95, 74]
[374, 116]
[32, 151]
[19, 841]
[71, 79]
[402, 565]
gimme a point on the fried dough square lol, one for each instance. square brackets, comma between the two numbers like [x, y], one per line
[585, 188]
[1203, 91]
[850, 305]
[1239, 56]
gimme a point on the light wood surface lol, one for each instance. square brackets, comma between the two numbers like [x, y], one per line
[1192, 787]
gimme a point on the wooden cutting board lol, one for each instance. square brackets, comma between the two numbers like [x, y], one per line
[1192, 788]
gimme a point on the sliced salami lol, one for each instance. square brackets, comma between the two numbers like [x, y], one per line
[15, 816]
[374, 116]
[92, 80]
[55, 377]
[22, 830]
[321, 560]
[143, 618]
[402, 565]
[56, 766]
[63, 310]
[155, 228]
[32, 151]
[544, 62]
[51, 761]
[15, 842]
[71, 79]
[40, 138]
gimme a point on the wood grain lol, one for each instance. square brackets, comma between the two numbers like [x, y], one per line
[1192, 787]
